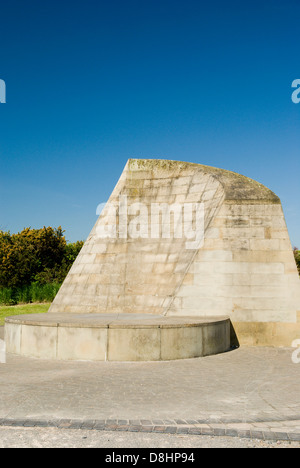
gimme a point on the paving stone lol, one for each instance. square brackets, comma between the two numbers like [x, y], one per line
[182, 430]
[132, 428]
[146, 390]
[159, 428]
[170, 430]
[217, 431]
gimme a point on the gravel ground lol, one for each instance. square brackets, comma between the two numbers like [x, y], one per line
[73, 438]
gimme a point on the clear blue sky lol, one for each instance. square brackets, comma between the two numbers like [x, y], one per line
[92, 83]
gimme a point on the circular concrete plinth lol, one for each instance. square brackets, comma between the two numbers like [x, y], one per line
[112, 337]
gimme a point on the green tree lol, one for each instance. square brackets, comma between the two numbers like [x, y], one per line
[58, 273]
[28, 253]
[297, 258]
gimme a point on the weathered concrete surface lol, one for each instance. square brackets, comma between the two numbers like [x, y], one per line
[245, 269]
[109, 337]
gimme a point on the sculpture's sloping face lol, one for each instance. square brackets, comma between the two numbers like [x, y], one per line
[189, 240]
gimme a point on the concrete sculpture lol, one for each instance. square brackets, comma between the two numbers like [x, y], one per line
[180, 254]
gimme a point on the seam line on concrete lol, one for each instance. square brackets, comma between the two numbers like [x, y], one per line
[177, 288]
[179, 285]
[56, 344]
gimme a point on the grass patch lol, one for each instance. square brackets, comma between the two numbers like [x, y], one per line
[29, 294]
[8, 311]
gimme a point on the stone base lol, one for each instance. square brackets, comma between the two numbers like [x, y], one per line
[112, 337]
[274, 334]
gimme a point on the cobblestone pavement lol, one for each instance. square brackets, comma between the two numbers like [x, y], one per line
[80, 438]
[245, 393]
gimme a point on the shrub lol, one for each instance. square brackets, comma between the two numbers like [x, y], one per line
[35, 255]
[58, 273]
[28, 253]
[28, 294]
[33, 264]
[297, 258]
[7, 296]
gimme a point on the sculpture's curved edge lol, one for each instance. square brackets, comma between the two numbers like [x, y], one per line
[236, 186]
